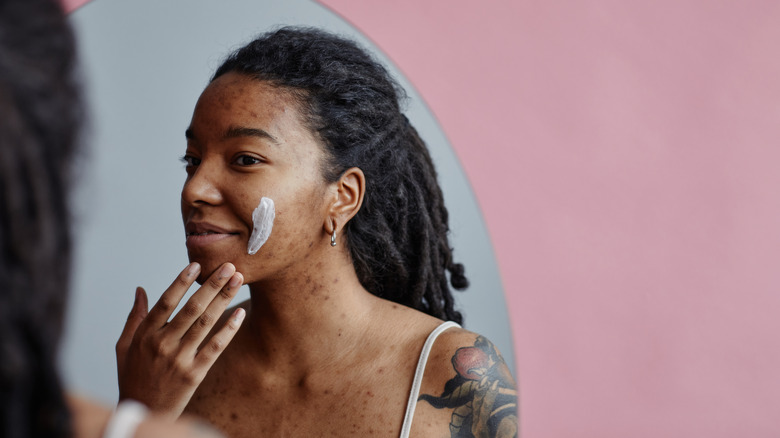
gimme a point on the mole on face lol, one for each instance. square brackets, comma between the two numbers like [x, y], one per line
[263, 220]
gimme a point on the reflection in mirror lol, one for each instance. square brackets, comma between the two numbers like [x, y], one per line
[146, 64]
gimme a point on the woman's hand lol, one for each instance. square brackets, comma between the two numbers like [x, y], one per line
[161, 363]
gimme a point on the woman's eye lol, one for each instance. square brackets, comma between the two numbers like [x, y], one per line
[190, 161]
[247, 160]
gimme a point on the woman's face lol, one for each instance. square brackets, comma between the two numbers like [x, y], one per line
[246, 141]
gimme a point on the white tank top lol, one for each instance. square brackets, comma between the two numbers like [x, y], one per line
[418, 376]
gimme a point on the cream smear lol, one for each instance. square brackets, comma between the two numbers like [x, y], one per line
[263, 219]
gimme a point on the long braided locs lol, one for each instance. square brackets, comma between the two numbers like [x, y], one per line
[399, 240]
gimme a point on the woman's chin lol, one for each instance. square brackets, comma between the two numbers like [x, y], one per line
[251, 267]
[208, 265]
[206, 269]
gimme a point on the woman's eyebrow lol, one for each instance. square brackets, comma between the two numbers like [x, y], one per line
[237, 131]
[241, 131]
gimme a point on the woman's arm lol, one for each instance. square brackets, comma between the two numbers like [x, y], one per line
[161, 363]
[469, 380]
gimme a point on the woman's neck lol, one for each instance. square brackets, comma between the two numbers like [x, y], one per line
[293, 320]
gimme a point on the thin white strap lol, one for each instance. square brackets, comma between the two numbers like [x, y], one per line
[418, 376]
[125, 420]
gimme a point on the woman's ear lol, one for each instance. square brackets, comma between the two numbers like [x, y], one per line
[350, 189]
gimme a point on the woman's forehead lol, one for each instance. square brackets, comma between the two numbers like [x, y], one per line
[240, 91]
[235, 99]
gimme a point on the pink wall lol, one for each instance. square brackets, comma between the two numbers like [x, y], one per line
[626, 158]
[72, 5]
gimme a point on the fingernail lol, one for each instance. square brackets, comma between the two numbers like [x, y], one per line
[235, 281]
[226, 271]
[239, 315]
[193, 269]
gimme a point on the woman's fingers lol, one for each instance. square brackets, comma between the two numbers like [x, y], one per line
[134, 319]
[203, 325]
[198, 314]
[156, 360]
[167, 303]
[211, 350]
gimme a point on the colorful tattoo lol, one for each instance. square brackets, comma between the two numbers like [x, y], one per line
[482, 394]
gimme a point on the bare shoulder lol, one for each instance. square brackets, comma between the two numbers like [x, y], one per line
[459, 352]
[184, 427]
[467, 390]
[90, 420]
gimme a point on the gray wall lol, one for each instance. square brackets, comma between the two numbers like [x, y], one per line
[145, 63]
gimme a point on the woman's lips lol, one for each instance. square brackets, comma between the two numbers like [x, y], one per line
[202, 234]
[198, 240]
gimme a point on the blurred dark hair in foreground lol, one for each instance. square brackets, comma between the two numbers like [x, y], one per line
[40, 116]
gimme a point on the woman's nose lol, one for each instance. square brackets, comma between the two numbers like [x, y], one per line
[201, 187]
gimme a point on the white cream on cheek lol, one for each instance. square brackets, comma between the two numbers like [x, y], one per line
[263, 220]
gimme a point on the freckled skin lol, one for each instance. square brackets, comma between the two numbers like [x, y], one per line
[222, 192]
[317, 354]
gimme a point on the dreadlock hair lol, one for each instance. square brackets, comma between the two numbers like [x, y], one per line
[39, 119]
[398, 240]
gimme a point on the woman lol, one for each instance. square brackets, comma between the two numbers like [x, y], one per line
[40, 116]
[300, 135]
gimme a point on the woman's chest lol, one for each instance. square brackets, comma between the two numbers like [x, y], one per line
[342, 404]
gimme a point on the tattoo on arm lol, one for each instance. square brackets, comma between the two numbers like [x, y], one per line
[482, 394]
